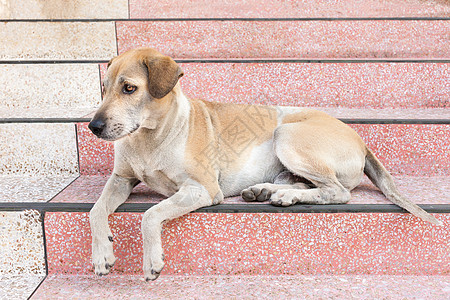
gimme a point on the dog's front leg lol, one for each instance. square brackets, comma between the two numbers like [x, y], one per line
[190, 197]
[116, 191]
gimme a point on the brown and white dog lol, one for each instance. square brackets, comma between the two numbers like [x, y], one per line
[196, 153]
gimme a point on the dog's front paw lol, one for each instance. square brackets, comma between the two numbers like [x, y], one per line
[153, 270]
[103, 257]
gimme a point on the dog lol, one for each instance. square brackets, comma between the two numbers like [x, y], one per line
[196, 153]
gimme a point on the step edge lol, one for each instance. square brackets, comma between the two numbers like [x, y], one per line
[234, 60]
[247, 19]
[226, 208]
[345, 120]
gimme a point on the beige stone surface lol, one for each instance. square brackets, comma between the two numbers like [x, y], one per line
[38, 149]
[18, 286]
[62, 90]
[21, 243]
[57, 41]
[32, 188]
[22, 259]
[63, 9]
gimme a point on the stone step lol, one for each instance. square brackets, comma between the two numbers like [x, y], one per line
[420, 189]
[22, 260]
[74, 90]
[60, 10]
[260, 244]
[409, 149]
[246, 287]
[288, 9]
[353, 85]
[393, 39]
[38, 150]
[170, 9]
[289, 39]
[25, 41]
[49, 90]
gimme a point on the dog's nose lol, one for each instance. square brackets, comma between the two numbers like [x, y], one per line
[97, 126]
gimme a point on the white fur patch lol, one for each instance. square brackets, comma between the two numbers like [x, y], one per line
[262, 166]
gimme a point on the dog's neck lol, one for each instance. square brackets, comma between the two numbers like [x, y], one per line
[159, 133]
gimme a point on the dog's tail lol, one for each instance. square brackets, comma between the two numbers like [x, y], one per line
[383, 180]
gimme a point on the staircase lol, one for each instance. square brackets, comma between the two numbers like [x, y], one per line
[380, 66]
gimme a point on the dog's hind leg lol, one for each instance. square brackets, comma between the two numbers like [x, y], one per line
[116, 191]
[327, 190]
[263, 191]
[322, 150]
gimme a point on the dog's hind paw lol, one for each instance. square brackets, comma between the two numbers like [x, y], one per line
[256, 193]
[282, 198]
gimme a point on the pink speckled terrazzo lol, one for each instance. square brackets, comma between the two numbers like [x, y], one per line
[420, 150]
[293, 39]
[96, 156]
[356, 85]
[246, 287]
[423, 190]
[347, 85]
[287, 9]
[269, 244]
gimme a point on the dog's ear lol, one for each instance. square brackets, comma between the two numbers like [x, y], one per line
[110, 62]
[163, 75]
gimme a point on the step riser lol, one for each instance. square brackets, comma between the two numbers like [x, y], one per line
[81, 9]
[22, 245]
[227, 39]
[355, 85]
[38, 150]
[60, 41]
[285, 9]
[269, 244]
[122, 9]
[73, 90]
[43, 90]
[404, 149]
[293, 39]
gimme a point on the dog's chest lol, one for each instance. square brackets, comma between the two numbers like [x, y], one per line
[162, 172]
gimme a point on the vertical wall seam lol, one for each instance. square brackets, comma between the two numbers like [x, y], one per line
[44, 240]
[117, 42]
[129, 13]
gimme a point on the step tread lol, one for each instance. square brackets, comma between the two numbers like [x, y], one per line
[422, 190]
[20, 188]
[246, 287]
[64, 113]
[285, 9]
[293, 39]
[18, 286]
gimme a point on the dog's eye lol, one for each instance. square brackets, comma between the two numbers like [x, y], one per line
[128, 89]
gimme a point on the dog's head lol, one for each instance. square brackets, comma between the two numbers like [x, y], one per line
[136, 93]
